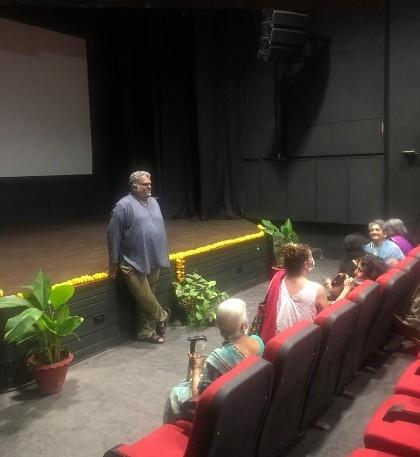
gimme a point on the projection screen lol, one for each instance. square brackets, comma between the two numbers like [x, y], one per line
[44, 103]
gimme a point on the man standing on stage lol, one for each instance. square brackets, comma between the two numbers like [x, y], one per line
[138, 246]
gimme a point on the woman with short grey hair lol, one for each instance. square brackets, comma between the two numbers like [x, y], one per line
[232, 321]
[398, 234]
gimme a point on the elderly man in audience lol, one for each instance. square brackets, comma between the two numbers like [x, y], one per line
[381, 246]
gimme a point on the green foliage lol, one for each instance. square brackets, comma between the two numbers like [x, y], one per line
[281, 236]
[46, 319]
[199, 299]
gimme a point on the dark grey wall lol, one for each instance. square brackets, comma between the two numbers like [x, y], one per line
[333, 110]
[404, 110]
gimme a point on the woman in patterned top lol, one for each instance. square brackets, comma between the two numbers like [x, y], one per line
[232, 321]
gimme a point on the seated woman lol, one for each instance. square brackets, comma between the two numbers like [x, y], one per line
[398, 234]
[232, 321]
[380, 246]
[291, 297]
[354, 244]
[369, 267]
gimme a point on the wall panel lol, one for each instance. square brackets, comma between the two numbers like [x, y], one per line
[332, 195]
[301, 190]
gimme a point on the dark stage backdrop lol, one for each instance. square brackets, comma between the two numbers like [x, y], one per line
[164, 97]
[182, 94]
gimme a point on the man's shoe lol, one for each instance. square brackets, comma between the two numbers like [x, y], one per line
[154, 338]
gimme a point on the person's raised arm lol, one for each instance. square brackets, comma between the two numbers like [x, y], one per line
[197, 362]
[321, 299]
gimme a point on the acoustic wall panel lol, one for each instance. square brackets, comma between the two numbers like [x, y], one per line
[366, 189]
[332, 195]
[274, 189]
[366, 97]
[357, 137]
[314, 140]
[301, 190]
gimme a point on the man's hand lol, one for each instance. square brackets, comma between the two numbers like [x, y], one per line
[113, 269]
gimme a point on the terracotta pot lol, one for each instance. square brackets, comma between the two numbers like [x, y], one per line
[50, 378]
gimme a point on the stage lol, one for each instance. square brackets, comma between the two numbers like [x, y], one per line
[232, 252]
[71, 250]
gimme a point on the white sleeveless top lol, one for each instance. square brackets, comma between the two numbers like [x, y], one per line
[295, 308]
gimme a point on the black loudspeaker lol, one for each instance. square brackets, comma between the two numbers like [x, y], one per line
[283, 35]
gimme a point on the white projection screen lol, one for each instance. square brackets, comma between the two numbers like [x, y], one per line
[44, 103]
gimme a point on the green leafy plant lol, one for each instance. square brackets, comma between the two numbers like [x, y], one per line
[45, 320]
[281, 235]
[198, 298]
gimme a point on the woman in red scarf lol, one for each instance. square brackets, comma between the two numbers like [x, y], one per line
[292, 297]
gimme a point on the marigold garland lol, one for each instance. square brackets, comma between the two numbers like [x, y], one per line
[178, 257]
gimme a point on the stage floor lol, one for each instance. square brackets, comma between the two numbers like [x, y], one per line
[69, 250]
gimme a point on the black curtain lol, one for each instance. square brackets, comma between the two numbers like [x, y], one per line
[172, 90]
[217, 46]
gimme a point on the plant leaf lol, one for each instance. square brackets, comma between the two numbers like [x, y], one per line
[42, 289]
[12, 301]
[63, 314]
[69, 325]
[19, 326]
[46, 322]
[60, 295]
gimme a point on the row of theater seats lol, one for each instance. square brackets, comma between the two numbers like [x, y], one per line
[394, 430]
[260, 407]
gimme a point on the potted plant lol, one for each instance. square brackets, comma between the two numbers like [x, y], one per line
[44, 322]
[198, 299]
[281, 235]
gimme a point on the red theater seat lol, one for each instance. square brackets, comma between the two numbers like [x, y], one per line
[337, 324]
[411, 266]
[366, 296]
[228, 419]
[415, 252]
[371, 453]
[392, 284]
[409, 382]
[395, 427]
[292, 353]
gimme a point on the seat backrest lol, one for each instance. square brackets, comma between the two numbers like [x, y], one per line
[392, 284]
[337, 324]
[293, 354]
[415, 252]
[366, 296]
[231, 411]
[411, 266]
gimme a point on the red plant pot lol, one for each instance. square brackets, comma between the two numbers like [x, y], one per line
[50, 378]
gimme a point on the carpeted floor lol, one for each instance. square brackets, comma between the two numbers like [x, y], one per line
[118, 396]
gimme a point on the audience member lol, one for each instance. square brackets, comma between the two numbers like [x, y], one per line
[291, 297]
[369, 267]
[354, 244]
[231, 319]
[380, 246]
[398, 234]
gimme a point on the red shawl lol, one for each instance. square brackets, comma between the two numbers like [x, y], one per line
[268, 329]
